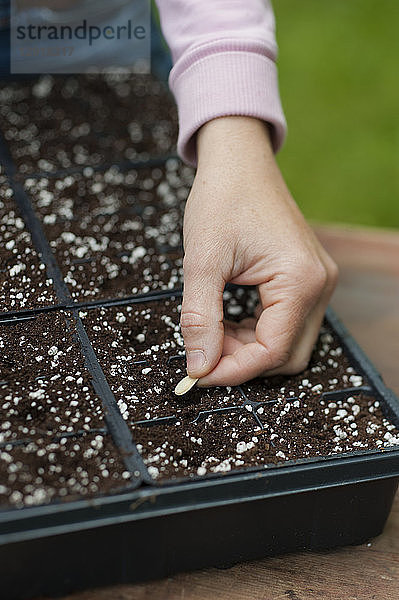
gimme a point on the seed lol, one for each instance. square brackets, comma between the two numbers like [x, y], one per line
[185, 385]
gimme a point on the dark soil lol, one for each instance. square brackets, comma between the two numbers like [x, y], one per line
[205, 446]
[282, 418]
[291, 430]
[140, 348]
[329, 369]
[326, 425]
[23, 282]
[53, 123]
[45, 388]
[42, 470]
[116, 233]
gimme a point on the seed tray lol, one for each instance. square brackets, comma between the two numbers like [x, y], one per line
[241, 481]
[200, 512]
[149, 476]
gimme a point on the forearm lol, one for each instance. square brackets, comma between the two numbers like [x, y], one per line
[239, 150]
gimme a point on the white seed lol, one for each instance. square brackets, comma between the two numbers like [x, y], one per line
[185, 385]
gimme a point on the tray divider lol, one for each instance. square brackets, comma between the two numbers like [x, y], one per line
[40, 241]
[25, 314]
[126, 300]
[117, 426]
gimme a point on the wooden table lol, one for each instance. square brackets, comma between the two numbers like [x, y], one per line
[367, 300]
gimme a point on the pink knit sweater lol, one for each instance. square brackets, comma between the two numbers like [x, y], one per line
[224, 54]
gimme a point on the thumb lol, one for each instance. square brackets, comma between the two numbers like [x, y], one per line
[202, 315]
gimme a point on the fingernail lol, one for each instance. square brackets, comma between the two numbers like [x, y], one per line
[196, 360]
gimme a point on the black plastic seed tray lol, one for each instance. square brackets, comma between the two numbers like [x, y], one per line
[156, 521]
[148, 529]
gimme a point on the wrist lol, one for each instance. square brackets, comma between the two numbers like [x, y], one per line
[233, 138]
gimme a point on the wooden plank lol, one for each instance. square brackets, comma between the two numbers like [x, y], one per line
[367, 297]
[367, 300]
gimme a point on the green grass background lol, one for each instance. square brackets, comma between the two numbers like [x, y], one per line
[339, 83]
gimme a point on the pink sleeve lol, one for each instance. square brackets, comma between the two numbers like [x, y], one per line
[224, 54]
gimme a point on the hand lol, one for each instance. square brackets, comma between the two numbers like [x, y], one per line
[241, 225]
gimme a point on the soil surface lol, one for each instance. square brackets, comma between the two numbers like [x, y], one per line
[45, 387]
[115, 233]
[290, 430]
[52, 123]
[42, 470]
[140, 348]
[23, 280]
[325, 410]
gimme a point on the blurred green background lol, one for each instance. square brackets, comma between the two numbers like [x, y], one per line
[339, 83]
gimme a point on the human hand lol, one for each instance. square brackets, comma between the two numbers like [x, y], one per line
[241, 225]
